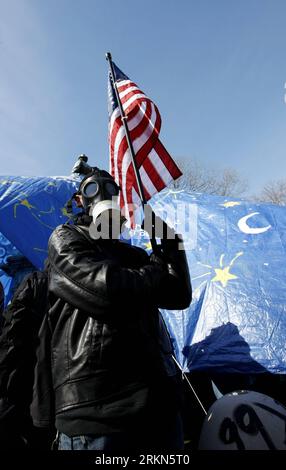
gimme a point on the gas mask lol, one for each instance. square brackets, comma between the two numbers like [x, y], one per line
[100, 195]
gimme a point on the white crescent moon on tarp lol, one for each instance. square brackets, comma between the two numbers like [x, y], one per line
[244, 227]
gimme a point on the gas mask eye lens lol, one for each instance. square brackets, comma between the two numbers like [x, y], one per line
[111, 189]
[91, 189]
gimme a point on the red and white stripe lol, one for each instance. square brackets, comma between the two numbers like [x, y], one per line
[156, 167]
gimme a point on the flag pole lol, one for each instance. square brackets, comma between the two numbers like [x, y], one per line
[129, 142]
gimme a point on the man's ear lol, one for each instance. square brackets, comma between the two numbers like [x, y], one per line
[78, 200]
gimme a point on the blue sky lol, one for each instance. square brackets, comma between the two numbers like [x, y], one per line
[215, 68]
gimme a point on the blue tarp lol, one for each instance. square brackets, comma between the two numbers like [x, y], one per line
[30, 209]
[236, 254]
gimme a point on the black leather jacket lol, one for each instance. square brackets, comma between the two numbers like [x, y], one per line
[108, 338]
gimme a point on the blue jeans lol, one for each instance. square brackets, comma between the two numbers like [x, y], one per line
[154, 438]
[86, 442]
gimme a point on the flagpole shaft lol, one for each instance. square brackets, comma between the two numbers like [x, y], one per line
[129, 141]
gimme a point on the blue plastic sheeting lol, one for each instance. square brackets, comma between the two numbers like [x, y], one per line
[236, 255]
[30, 209]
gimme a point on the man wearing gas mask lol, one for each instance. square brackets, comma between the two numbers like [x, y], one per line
[115, 384]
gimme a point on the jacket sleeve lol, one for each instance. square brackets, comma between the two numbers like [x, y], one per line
[170, 288]
[82, 276]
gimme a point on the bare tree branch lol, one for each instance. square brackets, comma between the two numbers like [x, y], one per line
[273, 192]
[200, 179]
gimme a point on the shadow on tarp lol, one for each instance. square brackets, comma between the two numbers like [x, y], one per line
[221, 341]
[218, 346]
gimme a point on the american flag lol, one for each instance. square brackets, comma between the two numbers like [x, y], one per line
[156, 167]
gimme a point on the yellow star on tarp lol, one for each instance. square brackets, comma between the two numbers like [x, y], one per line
[25, 202]
[148, 245]
[231, 204]
[223, 275]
